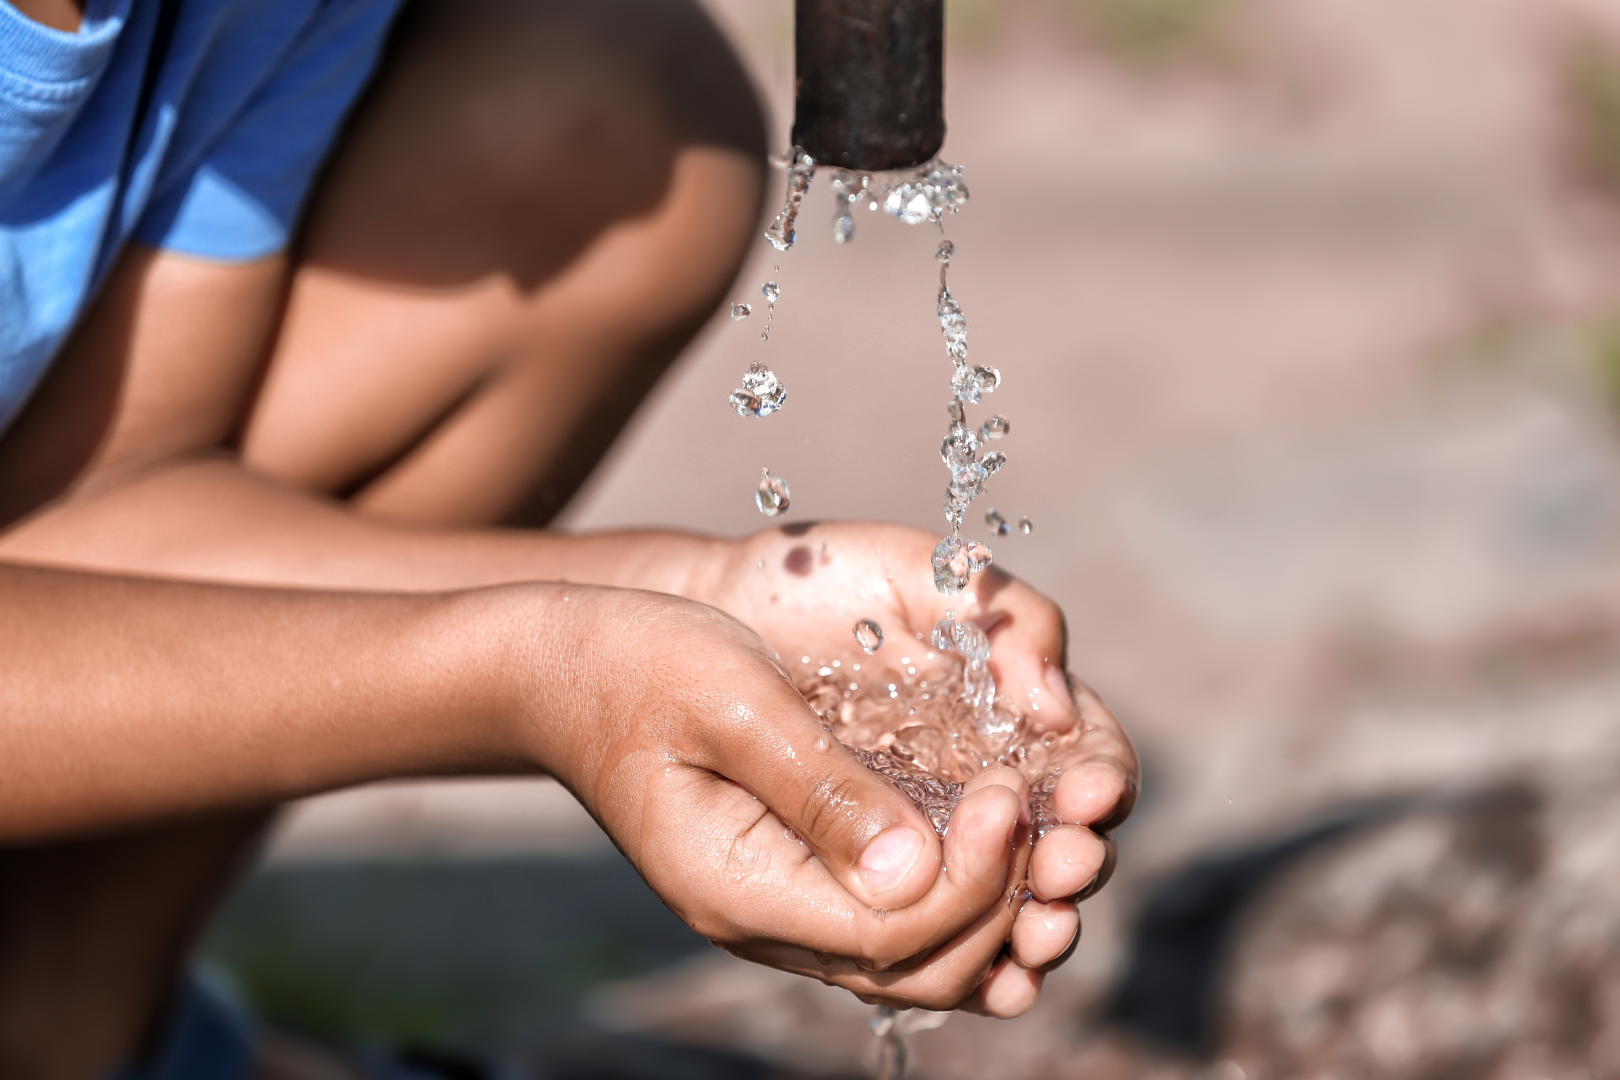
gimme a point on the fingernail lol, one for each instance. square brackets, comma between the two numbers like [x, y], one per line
[1058, 683]
[889, 858]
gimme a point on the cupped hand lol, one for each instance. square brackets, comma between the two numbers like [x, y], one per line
[803, 587]
[685, 739]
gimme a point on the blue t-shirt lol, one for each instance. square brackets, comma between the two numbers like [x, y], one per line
[191, 125]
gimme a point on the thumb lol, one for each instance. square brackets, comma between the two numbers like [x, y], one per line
[871, 837]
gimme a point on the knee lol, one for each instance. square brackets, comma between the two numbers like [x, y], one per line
[512, 135]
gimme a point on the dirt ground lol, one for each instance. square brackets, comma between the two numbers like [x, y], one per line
[1305, 312]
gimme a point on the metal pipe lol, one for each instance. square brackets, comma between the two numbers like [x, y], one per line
[869, 82]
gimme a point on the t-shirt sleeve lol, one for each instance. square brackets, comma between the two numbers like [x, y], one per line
[241, 198]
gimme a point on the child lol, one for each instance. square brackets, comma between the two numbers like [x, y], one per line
[252, 459]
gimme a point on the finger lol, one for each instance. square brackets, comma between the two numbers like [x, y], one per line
[759, 733]
[981, 856]
[1065, 861]
[740, 875]
[946, 979]
[1107, 871]
[1042, 933]
[1029, 640]
[1007, 777]
[1093, 793]
[1009, 990]
[943, 979]
[1100, 775]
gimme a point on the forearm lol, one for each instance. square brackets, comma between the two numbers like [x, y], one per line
[128, 700]
[211, 520]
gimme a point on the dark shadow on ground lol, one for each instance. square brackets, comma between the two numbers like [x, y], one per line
[453, 965]
[1169, 995]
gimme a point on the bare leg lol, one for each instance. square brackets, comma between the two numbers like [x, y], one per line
[94, 932]
[530, 215]
[481, 305]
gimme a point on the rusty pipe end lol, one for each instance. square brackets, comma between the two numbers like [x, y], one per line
[869, 82]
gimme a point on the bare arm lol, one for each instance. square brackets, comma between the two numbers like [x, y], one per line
[131, 700]
[206, 517]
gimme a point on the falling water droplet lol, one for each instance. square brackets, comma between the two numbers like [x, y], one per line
[741, 311]
[959, 448]
[772, 496]
[771, 291]
[996, 428]
[944, 252]
[800, 171]
[892, 1053]
[951, 568]
[847, 191]
[996, 522]
[762, 393]
[965, 385]
[953, 324]
[869, 636]
[968, 481]
[1026, 526]
[993, 461]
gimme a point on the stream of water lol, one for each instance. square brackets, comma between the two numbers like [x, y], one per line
[932, 722]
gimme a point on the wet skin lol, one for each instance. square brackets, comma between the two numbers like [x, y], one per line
[265, 492]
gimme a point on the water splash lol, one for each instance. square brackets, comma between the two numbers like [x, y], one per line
[772, 495]
[931, 726]
[935, 190]
[973, 646]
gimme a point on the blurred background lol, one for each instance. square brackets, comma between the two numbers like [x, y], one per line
[1308, 314]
